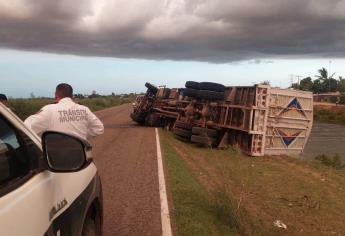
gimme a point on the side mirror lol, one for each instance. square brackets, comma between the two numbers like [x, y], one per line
[64, 153]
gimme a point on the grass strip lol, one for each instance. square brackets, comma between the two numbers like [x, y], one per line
[250, 194]
[194, 213]
[335, 115]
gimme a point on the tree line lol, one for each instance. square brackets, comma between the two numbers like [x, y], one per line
[323, 83]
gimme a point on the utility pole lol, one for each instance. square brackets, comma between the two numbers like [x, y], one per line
[298, 78]
[291, 80]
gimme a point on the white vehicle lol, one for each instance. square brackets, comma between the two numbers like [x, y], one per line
[48, 187]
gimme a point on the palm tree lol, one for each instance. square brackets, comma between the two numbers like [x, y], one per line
[324, 74]
[324, 82]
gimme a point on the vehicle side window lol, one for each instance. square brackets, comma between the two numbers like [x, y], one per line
[16, 158]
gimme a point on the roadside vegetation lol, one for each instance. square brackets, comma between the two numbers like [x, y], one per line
[223, 192]
[330, 114]
[28, 106]
[194, 213]
[102, 102]
[323, 83]
[334, 161]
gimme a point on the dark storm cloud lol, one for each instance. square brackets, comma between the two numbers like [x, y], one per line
[200, 30]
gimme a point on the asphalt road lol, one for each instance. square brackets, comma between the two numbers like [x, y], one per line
[126, 159]
[326, 139]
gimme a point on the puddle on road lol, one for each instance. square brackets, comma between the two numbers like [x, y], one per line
[326, 139]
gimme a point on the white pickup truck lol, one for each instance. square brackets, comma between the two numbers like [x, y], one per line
[48, 186]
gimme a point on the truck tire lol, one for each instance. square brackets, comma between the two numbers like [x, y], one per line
[205, 132]
[151, 87]
[192, 85]
[206, 141]
[212, 86]
[182, 132]
[137, 117]
[193, 93]
[92, 224]
[210, 95]
[183, 125]
[89, 228]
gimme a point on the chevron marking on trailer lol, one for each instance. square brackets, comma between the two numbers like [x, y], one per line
[295, 106]
[288, 139]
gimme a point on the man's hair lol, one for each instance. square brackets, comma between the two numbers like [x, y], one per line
[64, 90]
[3, 97]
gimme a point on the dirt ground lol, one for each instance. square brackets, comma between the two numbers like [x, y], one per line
[326, 139]
[126, 159]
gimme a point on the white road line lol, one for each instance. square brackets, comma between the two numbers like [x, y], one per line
[165, 217]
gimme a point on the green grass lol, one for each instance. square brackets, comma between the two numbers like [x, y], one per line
[330, 114]
[331, 161]
[194, 213]
[26, 107]
[99, 103]
[250, 193]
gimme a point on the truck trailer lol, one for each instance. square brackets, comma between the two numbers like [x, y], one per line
[260, 119]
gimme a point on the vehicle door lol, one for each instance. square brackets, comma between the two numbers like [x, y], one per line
[33, 199]
[26, 192]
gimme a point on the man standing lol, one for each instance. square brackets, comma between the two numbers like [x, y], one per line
[66, 116]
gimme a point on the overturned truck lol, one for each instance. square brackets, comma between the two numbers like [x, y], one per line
[260, 120]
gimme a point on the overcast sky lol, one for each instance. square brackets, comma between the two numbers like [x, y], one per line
[119, 41]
